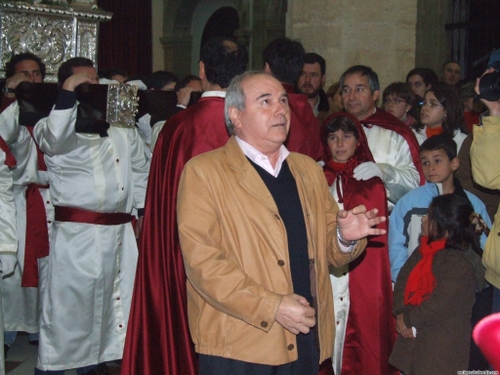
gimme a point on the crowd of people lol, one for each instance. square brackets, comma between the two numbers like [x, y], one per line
[260, 225]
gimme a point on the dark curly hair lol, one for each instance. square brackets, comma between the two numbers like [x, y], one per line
[285, 58]
[223, 59]
[10, 66]
[66, 69]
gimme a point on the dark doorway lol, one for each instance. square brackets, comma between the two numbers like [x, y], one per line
[475, 33]
[224, 22]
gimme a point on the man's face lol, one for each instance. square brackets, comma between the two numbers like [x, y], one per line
[451, 73]
[357, 97]
[91, 72]
[265, 120]
[30, 69]
[311, 80]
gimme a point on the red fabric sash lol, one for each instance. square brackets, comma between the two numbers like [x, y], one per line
[77, 215]
[37, 233]
[37, 236]
[388, 121]
[10, 160]
[421, 281]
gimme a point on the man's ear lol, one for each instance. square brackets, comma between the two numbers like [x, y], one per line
[267, 69]
[323, 80]
[376, 94]
[455, 163]
[234, 115]
[201, 73]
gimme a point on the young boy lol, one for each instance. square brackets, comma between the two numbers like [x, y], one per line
[439, 161]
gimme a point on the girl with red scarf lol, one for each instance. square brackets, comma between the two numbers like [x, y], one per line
[362, 291]
[435, 292]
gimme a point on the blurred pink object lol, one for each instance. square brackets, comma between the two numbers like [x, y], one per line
[486, 334]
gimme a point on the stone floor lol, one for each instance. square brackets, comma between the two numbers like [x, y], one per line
[21, 359]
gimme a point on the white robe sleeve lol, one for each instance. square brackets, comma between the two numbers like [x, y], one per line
[8, 230]
[140, 168]
[56, 134]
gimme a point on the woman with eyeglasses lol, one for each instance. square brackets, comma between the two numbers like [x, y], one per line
[441, 113]
[399, 100]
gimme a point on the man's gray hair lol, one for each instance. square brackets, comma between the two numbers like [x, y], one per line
[235, 97]
[363, 70]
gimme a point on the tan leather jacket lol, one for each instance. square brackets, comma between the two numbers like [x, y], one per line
[235, 253]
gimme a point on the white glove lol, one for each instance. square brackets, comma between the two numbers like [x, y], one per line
[8, 262]
[367, 170]
[144, 125]
[105, 81]
[140, 85]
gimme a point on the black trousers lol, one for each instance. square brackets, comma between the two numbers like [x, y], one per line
[307, 363]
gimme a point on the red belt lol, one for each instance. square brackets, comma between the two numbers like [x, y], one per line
[77, 215]
[37, 234]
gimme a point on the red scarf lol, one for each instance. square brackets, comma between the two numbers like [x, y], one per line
[421, 281]
[340, 172]
[429, 132]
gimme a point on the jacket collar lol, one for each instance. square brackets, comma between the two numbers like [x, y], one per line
[251, 181]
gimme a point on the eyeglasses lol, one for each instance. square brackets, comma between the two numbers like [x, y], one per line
[394, 101]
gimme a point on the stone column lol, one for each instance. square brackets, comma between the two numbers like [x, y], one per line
[178, 54]
[433, 43]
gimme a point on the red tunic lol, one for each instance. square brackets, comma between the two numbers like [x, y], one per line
[387, 121]
[158, 340]
[304, 131]
[370, 332]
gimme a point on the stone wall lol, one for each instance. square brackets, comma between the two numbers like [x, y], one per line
[392, 36]
[378, 33]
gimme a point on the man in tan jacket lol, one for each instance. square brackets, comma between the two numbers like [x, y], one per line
[258, 228]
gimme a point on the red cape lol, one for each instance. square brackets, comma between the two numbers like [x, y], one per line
[370, 332]
[158, 339]
[303, 136]
[387, 121]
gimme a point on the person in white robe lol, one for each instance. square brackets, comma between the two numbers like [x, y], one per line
[8, 235]
[96, 181]
[21, 306]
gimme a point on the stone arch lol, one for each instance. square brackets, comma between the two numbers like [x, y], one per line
[184, 23]
[204, 10]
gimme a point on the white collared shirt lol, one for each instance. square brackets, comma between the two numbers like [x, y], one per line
[262, 160]
[220, 94]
